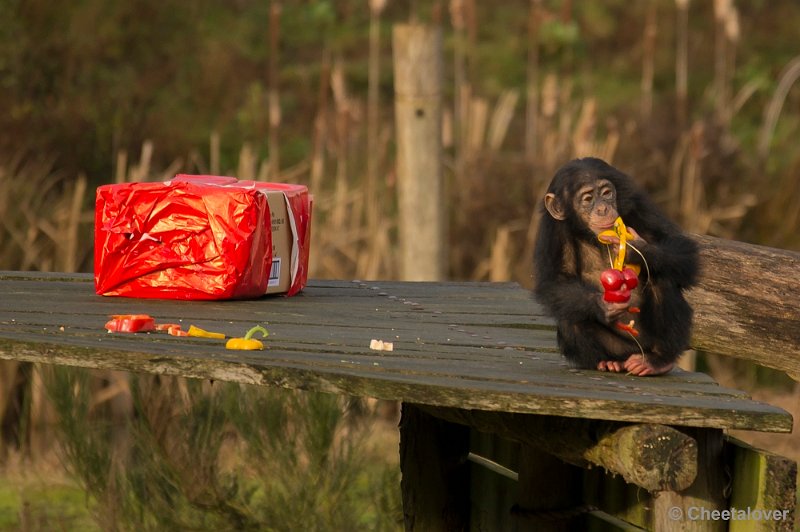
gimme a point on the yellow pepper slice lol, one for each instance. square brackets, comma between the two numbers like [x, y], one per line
[248, 343]
[620, 232]
[197, 331]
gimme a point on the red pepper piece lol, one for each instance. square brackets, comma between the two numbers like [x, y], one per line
[612, 279]
[131, 323]
[176, 331]
[631, 279]
[173, 329]
[617, 296]
[627, 328]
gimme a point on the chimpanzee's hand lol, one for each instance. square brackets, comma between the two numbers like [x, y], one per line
[611, 312]
[637, 240]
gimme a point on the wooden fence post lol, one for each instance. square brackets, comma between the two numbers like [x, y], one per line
[418, 115]
[433, 462]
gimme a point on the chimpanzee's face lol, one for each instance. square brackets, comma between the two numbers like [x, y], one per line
[596, 204]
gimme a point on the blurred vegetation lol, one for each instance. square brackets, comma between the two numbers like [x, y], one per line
[32, 505]
[195, 455]
[96, 92]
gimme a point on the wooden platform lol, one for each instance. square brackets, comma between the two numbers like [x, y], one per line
[469, 346]
[483, 388]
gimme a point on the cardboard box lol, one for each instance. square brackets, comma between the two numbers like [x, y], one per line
[279, 274]
[201, 237]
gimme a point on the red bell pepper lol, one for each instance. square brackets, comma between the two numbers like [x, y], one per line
[612, 279]
[617, 296]
[631, 279]
[131, 323]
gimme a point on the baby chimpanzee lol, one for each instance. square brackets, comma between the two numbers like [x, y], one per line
[584, 199]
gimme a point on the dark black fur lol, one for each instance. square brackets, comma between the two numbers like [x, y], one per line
[584, 337]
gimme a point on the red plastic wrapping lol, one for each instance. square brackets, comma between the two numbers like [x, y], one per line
[195, 237]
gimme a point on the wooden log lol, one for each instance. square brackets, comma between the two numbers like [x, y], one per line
[745, 304]
[763, 491]
[435, 482]
[684, 510]
[655, 457]
[418, 110]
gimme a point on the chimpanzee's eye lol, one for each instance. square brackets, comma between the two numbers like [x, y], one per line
[586, 198]
[607, 193]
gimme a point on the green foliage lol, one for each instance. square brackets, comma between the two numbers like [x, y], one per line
[34, 505]
[221, 456]
[84, 79]
[86, 447]
[556, 34]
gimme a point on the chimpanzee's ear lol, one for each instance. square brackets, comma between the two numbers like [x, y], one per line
[554, 206]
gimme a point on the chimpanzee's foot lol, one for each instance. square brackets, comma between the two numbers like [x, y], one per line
[638, 365]
[610, 365]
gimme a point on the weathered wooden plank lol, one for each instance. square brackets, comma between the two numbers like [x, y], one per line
[763, 490]
[486, 364]
[436, 390]
[320, 340]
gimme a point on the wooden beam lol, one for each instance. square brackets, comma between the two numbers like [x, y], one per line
[655, 457]
[745, 305]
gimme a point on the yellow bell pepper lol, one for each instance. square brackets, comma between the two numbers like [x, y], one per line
[197, 331]
[248, 343]
[621, 233]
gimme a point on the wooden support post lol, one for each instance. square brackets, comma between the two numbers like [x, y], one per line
[418, 116]
[683, 510]
[273, 99]
[433, 461]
